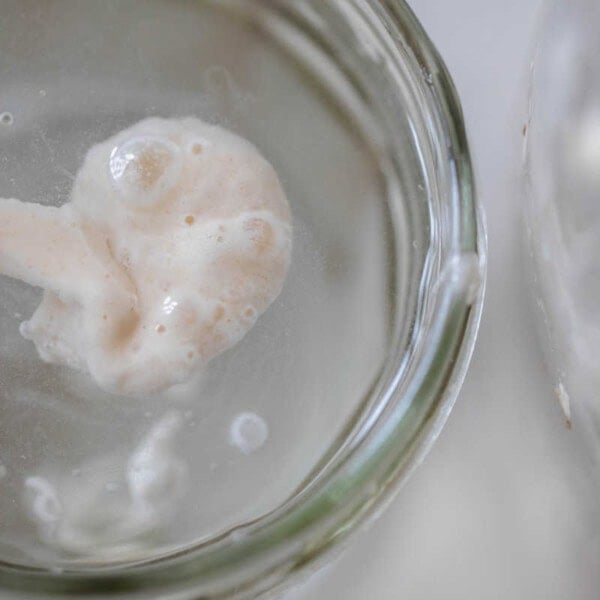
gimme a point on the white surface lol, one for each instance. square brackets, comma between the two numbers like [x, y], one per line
[504, 507]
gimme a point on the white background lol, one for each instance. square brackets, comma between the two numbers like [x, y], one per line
[504, 507]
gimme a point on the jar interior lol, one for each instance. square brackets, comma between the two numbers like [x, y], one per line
[73, 74]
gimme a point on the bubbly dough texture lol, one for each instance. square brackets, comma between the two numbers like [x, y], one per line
[177, 237]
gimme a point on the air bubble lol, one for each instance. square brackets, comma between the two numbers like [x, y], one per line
[248, 432]
[6, 118]
[145, 167]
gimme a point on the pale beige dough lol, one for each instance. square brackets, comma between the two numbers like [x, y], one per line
[176, 238]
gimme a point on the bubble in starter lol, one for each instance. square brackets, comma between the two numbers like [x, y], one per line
[6, 118]
[144, 167]
[248, 432]
[168, 256]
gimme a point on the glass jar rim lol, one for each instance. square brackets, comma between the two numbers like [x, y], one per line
[363, 477]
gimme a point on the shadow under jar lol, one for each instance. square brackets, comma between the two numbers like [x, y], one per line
[346, 379]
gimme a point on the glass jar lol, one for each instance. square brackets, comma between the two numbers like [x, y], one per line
[562, 178]
[354, 107]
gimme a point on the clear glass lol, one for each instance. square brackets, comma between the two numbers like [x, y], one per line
[562, 168]
[354, 369]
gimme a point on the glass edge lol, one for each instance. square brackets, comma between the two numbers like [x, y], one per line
[336, 508]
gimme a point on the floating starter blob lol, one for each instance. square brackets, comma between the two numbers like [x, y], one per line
[176, 238]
